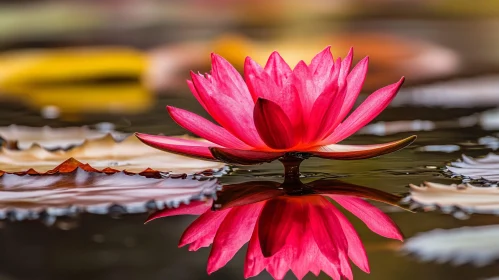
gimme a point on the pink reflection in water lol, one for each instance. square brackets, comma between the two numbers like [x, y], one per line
[291, 226]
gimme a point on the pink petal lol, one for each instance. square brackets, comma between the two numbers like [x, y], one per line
[324, 114]
[233, 233]
[330, 237]
[375, 219]
[191, 148]
[325, 72]
[244, 157]
[202, 231]
[278, 69]
[205, 129]
[307, 256]
[273, 125]
[366, 112]
[306, 88]
[345, 68]
[279, 265]
[356, 250]
[229, 81]
[289, 101]
[254, 262]
[326, 229]
[332, 270]
[281, 223]
[260, 84]
[322, 62]
[348, 152]
[193, 208]
[355, 81]
[232, 114]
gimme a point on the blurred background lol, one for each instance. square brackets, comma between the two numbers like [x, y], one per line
[72, 61]
[117, 63]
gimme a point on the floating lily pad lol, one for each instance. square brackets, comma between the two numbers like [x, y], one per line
[36, 196]
[104, 154]
[452, 94]
[482, 168]
[23, 137]
[491, 142]
[467, 245]
[457, 199]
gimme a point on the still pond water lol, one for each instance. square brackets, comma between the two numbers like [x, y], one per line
[104, 247]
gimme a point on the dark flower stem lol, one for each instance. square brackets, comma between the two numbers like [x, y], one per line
[292, 181]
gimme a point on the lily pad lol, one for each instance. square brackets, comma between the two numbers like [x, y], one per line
[452, 94]
[104, 154]
[23, 137]
[481, 168]
[478, 246]
[35, 196]
[457, 199]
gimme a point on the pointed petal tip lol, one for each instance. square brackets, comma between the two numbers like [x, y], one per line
[401, 81]
[151, 218]
[247, 60]
[141, 136]
[210, 270]
[275, 53]
[327, 48]
[301, 63]
[215, 58]
[366, 269]
[350, 51]
[169, 108]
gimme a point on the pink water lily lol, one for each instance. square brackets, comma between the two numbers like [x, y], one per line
[276, 110]
[297, 233]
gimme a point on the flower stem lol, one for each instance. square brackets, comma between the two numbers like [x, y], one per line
[292, 182]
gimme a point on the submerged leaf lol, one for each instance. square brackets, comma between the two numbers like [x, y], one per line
[129, 155]
[29, 196]
[456, 199]
[474, 245]
[482, 168]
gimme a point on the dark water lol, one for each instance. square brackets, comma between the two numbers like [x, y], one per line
[103, 247]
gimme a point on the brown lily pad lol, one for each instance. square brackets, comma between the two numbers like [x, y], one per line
[105, 155]
[457, 199]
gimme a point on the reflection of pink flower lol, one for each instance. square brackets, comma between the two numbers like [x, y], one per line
[276, 109]
[298, 233]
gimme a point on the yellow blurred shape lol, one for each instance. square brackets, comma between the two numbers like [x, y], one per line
[69, 64]
[85, 98]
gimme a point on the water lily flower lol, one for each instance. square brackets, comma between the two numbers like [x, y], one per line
[300, 233]
[276, 111]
